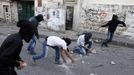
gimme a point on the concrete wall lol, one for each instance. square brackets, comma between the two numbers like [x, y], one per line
[1, 9]
[12, 11]
[93, 14]
[44, 9]
[119, 2]
[89, 15]
[2, 3]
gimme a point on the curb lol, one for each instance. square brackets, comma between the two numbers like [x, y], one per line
[114, 42]
[99, 41]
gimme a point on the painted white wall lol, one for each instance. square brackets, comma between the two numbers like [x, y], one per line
[14, 12]
[116, 5]
[2, 12]
[1, 9]
[76, 15]
[120, 2]
[47, 4]
[121, 7]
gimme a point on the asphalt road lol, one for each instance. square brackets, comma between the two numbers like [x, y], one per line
[113, 60]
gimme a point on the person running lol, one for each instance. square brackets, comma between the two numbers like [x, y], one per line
[35, 21]
[11, 47]
[112, 25]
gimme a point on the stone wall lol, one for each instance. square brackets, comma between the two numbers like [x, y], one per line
[92, 16]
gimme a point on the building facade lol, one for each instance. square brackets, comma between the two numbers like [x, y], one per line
[93, 14]
[86, 15]
[8, 11]
[77, 15]
[14, 10]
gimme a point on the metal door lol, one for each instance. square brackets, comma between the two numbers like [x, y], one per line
[25, 9]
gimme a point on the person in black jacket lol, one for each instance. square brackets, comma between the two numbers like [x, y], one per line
[11, 48]
[35, 21]
[112, 25]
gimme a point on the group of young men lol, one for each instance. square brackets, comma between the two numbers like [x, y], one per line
[11, 47]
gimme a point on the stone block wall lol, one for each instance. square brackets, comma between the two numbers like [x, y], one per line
[92, 16]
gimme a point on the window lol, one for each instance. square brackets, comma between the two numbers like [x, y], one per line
[39, 3]
[70, 1]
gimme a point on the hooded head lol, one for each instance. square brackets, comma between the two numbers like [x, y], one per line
[67, 40]
[115, 17]
[27, 30]
[39, 17]
[87, 36]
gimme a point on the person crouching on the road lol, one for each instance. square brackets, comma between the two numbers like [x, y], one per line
[60, 46]
[112, 25]
[84, 44]
[12, 46]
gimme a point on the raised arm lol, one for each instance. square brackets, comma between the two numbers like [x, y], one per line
[121, 22]
[105, 25]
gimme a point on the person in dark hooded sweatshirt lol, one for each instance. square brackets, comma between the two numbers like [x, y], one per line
[35, 21]
[112, 25]
[11, 47]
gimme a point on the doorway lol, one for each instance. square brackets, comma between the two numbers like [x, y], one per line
[6, 13]
[69, 17]
[25, 9]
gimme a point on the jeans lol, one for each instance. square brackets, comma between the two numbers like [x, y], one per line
[43, 54]
[32, 45]
[81, 50]
[109, 38]
[7, 71]
[57, 54]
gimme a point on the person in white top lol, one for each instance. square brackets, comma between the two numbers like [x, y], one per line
[84, 44]
[56, 43]
[60, 46]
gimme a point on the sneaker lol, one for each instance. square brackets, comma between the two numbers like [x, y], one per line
[58, 62]
[33, 59]
[104, 45]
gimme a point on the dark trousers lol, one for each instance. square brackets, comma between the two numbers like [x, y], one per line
[7, 71]
[57, 53]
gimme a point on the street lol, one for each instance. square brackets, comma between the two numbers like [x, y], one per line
[113, 60]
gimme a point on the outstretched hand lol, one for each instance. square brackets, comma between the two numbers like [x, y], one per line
[22, 65]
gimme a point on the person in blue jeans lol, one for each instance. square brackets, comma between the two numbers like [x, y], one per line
[60, 47]
[35, 21]
[84, 44]
[112, 25]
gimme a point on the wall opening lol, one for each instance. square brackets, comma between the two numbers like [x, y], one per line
[69, 17]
